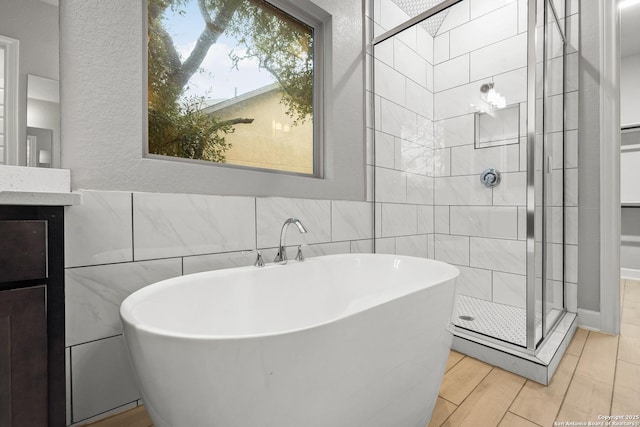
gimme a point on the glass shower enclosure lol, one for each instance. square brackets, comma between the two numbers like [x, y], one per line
[468, 102]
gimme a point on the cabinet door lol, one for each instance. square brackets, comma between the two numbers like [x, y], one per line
[23, 250]
[23, 357]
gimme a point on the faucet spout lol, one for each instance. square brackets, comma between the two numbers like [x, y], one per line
[281, 257]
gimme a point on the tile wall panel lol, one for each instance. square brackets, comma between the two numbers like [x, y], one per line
[399, 219]
[425, 219]
[409, 37]
[390, 83]
[410, 63]
[453, 73]
[485, 30]
[102, 378]
[441, 215]
[412, 156]
[513, 86]
[272, 212]
[457, 15]
[167, 224]
[415, 245]
[441, 48]
[199, 263]
[419, 189]
[93, 295]
[441, 162]
[498, 58]
[512, 190]
[420, 99]
[461, 190]
[454, 131]
[467, 160]
[482, 7]
[507, 256]
[172, 225]
[351, 220]
[489, 221]
[452, 249]
[509, 289]
[99, 231]
[397, 120]
[475, 282]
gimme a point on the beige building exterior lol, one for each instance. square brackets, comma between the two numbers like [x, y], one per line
[271, 141]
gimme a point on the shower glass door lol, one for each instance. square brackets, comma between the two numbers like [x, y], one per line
[553, 66]
[453, 156]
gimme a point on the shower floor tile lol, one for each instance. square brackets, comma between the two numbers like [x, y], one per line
[504, 322]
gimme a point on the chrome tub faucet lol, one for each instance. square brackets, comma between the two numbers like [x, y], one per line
[281, 257]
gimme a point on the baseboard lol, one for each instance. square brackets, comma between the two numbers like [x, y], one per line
[589, 319]
[630, 273]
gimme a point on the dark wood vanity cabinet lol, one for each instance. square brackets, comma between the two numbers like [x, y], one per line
[32, 360]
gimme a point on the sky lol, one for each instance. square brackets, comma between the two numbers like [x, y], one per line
[219, 80]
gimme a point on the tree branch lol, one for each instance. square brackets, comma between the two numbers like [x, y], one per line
[236, 121]
[213, 29]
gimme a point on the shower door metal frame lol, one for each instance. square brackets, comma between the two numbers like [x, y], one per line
[532, 29]
[415, 20]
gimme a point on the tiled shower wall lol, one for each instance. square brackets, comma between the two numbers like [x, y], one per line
[118, 242]
[403, 130]
[480, 230]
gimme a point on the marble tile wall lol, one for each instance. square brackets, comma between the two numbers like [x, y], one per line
[119, 242]
[483, 230]
[404, 161]
[480, 230]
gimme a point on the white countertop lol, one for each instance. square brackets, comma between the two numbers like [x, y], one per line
[21, 185]
[39, 199]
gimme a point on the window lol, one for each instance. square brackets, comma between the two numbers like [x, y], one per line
[233, 82]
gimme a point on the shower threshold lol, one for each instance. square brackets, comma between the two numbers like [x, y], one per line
[496, 334]
[500, 321]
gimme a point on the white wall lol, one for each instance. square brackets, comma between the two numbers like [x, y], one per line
[103, 119]
[630, 89]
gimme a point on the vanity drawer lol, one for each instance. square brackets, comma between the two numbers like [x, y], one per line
[23, 250]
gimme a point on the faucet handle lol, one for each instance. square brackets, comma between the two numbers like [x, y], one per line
[259, 262]
[300, 256]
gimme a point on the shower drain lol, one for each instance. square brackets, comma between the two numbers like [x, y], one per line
[466, 318]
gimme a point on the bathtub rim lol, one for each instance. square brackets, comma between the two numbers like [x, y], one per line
[129, 302]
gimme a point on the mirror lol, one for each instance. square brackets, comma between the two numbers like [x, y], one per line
[43, 122]
[30, 114]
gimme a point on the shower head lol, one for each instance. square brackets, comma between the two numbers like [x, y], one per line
[486, 87]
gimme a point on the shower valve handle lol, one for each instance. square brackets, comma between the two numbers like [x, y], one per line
[490, 178]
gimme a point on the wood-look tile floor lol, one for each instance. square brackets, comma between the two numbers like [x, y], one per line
[599, 375]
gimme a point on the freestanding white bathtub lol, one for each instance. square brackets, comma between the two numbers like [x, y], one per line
[335, 341]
